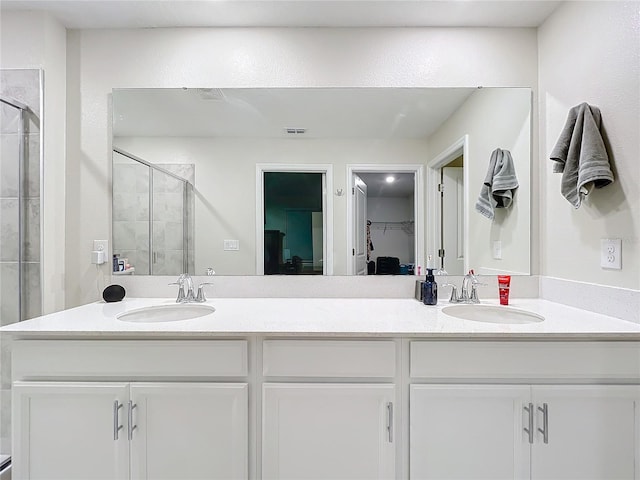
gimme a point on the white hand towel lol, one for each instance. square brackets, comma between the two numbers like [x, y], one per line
[580, 155]
[499, 185]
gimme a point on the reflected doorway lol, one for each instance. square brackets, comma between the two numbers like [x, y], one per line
[446, 211]
[451, 187]
[293, 230]
[383, 210]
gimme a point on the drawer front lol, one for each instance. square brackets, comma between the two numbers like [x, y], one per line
[37, 359]
[525, 360]
[329, 358]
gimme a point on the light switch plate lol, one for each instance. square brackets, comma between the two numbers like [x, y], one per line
[611, 253]
[497, 250]
[232, 245]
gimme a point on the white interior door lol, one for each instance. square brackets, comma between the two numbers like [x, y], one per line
[468, 432]
[327, 432]
[190, 431]
[453, 219]
[592, 433]
[360, 226]
[67, 431]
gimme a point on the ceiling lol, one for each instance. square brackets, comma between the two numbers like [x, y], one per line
[82, 14]
[371, 113]
[377, 185]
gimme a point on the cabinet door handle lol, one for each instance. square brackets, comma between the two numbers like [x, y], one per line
[116, 420]
[390, 421]
[529, 429]
[545, 422]
[132, 427]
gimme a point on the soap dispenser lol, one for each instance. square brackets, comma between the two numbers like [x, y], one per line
[430, 289]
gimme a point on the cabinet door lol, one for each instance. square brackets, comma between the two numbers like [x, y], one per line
[70, 431]
[592, 433]
[328, 431]
[189, 431]
[468, 431]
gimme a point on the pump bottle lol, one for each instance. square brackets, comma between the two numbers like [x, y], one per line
[430, 289]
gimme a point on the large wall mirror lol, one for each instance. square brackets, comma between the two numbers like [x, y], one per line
[319, 181]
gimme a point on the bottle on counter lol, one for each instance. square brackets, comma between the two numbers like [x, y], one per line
[430, 289]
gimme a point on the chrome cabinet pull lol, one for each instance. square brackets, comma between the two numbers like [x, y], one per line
[132, 427]
[545, 422]
[390, 421]
[116, 421]
[529, 429]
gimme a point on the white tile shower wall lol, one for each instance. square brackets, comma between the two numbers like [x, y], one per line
[24, 86]
[131, 216]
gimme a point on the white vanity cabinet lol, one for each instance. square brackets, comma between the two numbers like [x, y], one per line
[68, 431]
[139, 430]
[71, 428]
[468, 431]
[579, 428]
[328, 420]
[593, 432]
[590, 432]
[328, 431]
[325, 408]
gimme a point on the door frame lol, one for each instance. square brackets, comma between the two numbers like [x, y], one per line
[433, 199]
[418, 205]
[327, 209]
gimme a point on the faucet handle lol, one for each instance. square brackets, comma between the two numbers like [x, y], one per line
[180, 284]
[473, 298]
[201, 296]
[454, 292]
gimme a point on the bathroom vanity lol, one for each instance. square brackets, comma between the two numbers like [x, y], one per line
[325, 388]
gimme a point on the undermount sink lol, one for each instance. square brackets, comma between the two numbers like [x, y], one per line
[492, 314]
[166, 313]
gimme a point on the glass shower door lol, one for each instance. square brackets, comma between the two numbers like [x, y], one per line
[170, 225]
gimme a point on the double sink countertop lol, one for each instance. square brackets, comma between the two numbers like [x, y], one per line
[318, 317]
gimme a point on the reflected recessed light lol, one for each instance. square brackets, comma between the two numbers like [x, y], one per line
[390, 179]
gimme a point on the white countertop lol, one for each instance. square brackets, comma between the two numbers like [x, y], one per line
[356, 317]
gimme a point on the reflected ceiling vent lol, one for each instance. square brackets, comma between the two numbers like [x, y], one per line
[211, 94]
[295, 131]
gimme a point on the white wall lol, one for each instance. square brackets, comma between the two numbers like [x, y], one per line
[100, 60]
[226, 191]
[590, 52]
[36, 40]
[391, 242]
[494, 118]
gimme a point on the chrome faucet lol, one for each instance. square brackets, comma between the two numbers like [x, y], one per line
[184, 297]
[468, 290]
[185, 280]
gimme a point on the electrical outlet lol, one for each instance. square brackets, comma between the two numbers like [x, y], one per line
[232, 245]
[611, 253]
[101, 246]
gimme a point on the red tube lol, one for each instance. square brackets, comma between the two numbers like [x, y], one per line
[504, 282]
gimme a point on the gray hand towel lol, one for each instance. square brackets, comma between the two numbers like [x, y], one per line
[499, 185]
[580, 155]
